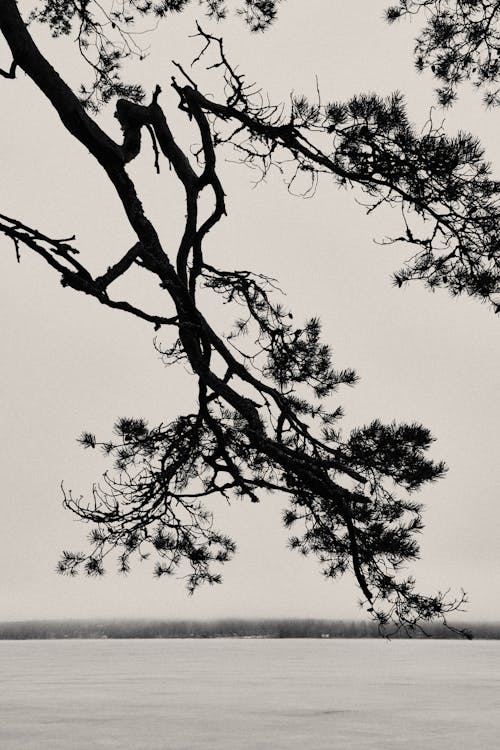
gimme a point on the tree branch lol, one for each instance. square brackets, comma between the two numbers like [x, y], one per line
[11, 73]
[78, 277]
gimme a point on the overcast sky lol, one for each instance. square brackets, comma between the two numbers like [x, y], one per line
[67, 364]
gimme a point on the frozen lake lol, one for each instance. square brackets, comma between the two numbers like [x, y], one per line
[249, 695]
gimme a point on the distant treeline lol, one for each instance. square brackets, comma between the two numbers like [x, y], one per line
[227, 628]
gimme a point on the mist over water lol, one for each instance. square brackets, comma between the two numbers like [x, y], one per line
[249, 694]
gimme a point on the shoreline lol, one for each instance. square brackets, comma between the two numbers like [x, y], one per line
[229, 628]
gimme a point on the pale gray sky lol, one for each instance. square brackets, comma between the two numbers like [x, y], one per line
[68, 364]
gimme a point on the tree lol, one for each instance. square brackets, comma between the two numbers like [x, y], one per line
[263, 423]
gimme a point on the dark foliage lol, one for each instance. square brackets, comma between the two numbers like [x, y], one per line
[459, 42]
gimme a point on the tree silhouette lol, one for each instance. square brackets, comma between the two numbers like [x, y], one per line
[263, 422]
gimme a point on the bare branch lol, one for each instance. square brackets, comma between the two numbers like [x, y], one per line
[77, 277]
